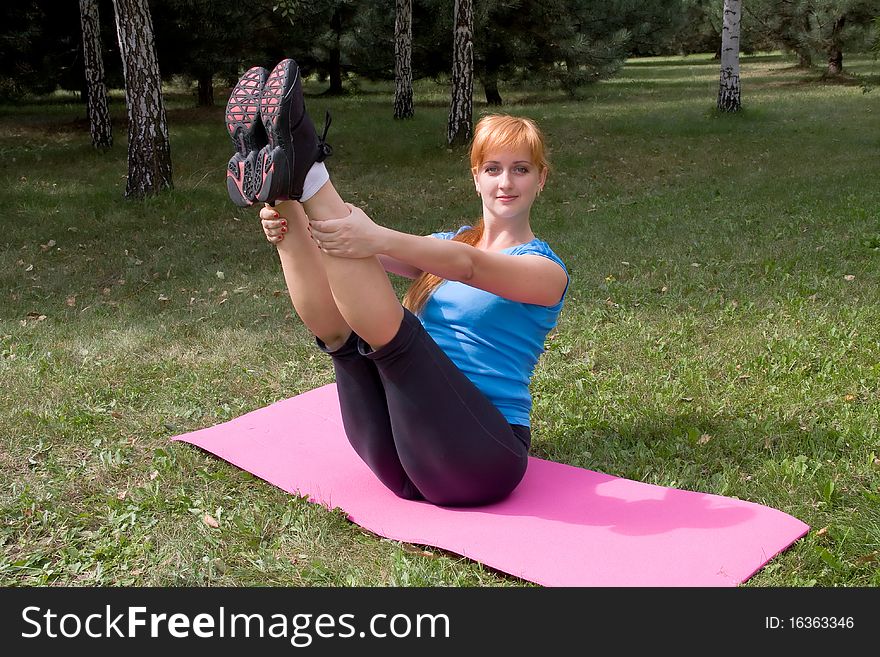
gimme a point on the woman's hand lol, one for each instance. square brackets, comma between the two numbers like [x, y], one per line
[354, 236]
[274, 225]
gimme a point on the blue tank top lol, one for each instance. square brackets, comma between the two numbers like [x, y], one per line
[494, 341]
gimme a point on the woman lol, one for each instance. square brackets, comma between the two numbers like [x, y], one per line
[433, 392]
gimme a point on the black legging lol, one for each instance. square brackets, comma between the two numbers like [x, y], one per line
[421, 426]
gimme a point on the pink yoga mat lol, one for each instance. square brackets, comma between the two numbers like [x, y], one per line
[562, 526]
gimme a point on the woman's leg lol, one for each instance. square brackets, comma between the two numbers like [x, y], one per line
[453, 443]
[365, 418]
[361, 393]
[361, 288]
[306, 278]
[447, 442]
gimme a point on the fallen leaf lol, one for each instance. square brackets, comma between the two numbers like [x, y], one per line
[849, 398]
[116, 414]
[868, 558]
[71, 301]
[822, 531]
[849, 277]
[210, 521]
[154, 474]
[705, 438]
[121, 495]
[412, 549]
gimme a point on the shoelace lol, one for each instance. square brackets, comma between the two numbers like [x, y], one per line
[324, 149]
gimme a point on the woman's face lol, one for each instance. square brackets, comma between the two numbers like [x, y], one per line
[508, 182]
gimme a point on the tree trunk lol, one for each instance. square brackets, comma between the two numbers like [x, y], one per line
[805, 56]
[490, 86]
[835, 50]
[206, 90]
[805, 59]
[149, 151]
[335, 63]
[835, 61]
[460, 127]
[96, 90]
[729, 98]
[403, 91]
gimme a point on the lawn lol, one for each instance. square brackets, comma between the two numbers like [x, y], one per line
[722, 331]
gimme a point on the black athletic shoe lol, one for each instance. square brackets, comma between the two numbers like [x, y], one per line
[246, 129]
[293, 146]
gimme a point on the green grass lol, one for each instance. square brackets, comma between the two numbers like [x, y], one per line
[721, 333]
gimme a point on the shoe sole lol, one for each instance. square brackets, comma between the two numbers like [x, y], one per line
[275, 160]
[245, 127]
[241, 178]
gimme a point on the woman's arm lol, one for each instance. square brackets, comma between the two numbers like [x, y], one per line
[525, 278]
[395, 266]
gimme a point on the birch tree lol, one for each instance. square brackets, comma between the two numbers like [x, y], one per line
[96, 90]
[149, 150]
[729, 98]
[403, 90]
[460, 126]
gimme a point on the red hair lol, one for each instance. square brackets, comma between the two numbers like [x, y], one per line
[493, 133]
